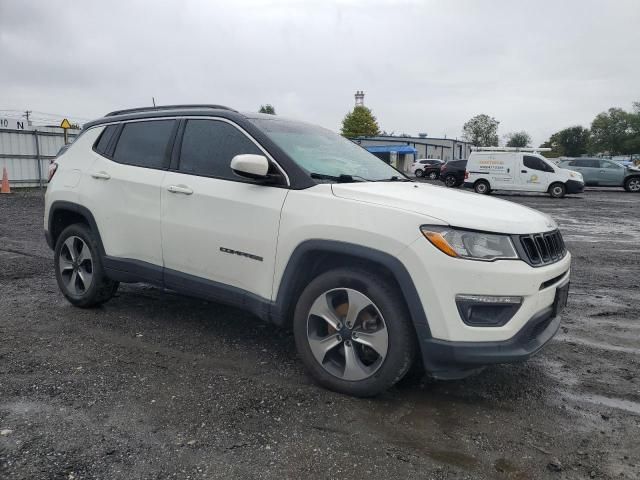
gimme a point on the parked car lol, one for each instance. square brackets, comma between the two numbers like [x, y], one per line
[426, 167]
[452, 173]
[307, 230]
[605, 173]
[521, 170]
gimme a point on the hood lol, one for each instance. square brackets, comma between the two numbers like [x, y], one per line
[453, 207]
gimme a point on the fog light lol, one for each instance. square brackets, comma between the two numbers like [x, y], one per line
[487, 310]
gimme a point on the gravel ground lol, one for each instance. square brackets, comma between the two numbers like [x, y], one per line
[153, 385]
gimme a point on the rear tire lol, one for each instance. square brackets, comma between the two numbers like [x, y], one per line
[557, 190]
[482, 187]
[632, 184]
[79, 271]
[450, 181]
[363, 341]
[433, 175]
[419, 173]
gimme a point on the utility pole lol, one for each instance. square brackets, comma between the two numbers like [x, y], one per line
[27, 113]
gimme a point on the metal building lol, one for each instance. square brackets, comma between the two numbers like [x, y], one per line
[26, 151]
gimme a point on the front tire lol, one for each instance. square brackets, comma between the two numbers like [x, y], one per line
[632, 184]
[353, 332]
[419, 173]
[433, 175]
[557, 190]
[79, 269]
[482, 187]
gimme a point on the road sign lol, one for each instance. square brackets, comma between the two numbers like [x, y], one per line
[65, 124]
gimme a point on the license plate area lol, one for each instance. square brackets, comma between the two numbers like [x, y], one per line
[560, 301]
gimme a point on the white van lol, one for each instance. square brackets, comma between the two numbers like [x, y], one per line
[519, 169]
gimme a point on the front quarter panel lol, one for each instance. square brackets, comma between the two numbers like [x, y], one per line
[316, 214]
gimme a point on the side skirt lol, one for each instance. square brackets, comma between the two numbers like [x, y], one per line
[132, 271]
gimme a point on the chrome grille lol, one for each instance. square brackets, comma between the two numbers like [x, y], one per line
[543, 248]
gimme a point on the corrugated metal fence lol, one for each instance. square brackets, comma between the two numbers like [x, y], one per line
[27, 153]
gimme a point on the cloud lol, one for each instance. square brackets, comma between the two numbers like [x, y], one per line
[425, 66]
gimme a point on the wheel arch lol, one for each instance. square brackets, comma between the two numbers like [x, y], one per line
[62, 214]
[313, 257]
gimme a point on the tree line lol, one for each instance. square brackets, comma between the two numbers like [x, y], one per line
[614, 132]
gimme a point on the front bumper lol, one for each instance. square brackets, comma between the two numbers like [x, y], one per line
[447, 359]
[574, 186]
[450, 346]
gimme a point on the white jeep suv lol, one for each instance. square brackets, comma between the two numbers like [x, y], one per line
[375, 273]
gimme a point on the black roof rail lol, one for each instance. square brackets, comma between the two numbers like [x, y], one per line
[166, 107]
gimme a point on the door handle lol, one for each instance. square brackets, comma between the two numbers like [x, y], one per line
[101, 175]
[180, 189]
[601, 171]
[523, 171]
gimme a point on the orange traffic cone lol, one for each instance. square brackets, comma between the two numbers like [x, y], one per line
[5, 182]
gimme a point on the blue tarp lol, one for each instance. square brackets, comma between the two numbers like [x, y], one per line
[391, 148]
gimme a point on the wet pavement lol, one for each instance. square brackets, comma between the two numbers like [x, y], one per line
[154, 385]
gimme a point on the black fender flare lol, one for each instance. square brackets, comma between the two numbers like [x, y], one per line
[284, 297]
[78, 209]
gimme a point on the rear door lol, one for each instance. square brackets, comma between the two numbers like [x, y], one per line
[589, 168]
[218, 229]
[496, 168]
[610, 174]
[123, 188]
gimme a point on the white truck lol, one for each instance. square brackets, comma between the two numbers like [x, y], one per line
[519, 169]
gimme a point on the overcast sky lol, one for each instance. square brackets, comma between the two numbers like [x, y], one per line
[425, 66]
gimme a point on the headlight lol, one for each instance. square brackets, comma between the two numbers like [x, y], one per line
[468, 244]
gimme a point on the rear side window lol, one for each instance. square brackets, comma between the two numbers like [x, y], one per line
[144, 144]
[586, 163]
[208, 147]
[535, 163]
[102, 144]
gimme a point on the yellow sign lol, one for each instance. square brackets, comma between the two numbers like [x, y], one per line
[65, 124]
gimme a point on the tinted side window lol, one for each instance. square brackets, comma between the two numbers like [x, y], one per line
[103, 142]
[589, 163]
[144, 144]
[536, 164]
[209, 145]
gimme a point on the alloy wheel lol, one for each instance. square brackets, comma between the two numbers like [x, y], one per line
[450, 181]
[347, 334]
[634, 184]
[76, 265]
[433, 176]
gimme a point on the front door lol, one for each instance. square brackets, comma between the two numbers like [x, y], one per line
[534, 174]
[218, 230]
[610, 174]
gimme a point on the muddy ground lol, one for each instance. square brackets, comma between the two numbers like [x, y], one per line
[154, 385]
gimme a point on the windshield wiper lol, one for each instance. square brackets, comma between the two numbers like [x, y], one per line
[337, 178]
[395, 178]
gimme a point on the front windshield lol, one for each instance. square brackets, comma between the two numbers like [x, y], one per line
[326, 155]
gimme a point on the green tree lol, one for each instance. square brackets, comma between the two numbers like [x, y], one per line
[360, 123]
[569, 142]
[268, 108]
[612, 132]
[481, 131]
[518, 139]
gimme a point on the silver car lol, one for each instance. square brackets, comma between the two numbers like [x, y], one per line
[601, 172]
